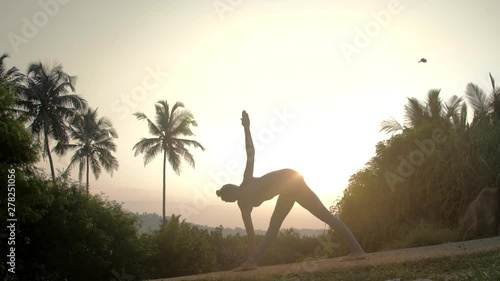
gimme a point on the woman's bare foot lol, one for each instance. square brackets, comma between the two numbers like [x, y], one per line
[248, 265]
[354, 256]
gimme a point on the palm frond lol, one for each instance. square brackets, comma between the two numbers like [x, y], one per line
[181, 124]
[177, 109]
[36, 127]
[391, 126]
[193, 143]
[105, 124]
[10, 77]
[58, 129]
[477, 99]
[2, 67]
[106, 143]
[452, 109]
[452, 106]
[152, 152]
[108, 161]
[162, 115]
[414, 112]
[188, 157]
[434, 104]
[494, 100]
[495, 103]
[79, 158]
[145, 144]
[153, 128]
[71, 101]
[95, 167]
[174, 159]
[63, 148]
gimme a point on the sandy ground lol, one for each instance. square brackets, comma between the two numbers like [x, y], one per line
[379, 258]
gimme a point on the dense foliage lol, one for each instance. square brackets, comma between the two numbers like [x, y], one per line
[429, 172]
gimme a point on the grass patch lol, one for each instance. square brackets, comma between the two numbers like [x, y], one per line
[424, 234]
[477, 267]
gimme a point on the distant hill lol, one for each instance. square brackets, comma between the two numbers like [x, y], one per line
[151, 222]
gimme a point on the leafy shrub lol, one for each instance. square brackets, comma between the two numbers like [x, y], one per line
[182, 249]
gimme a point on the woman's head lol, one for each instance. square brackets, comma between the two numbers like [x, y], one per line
[229, 193]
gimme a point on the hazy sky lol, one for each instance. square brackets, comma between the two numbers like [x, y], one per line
[317, 78]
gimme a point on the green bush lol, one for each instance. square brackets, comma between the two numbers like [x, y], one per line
[230, 251]
[63, 234]
[182, 250]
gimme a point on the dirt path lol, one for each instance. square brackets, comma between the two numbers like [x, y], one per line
[379, 258]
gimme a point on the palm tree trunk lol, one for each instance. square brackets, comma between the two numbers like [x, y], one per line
[87, 176]
[50, 158]
[164, 189]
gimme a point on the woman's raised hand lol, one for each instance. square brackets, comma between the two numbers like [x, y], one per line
[245, 120]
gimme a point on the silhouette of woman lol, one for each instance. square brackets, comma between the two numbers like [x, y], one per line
[291, 188]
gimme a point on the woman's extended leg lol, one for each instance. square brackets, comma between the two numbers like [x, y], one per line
[308, 199]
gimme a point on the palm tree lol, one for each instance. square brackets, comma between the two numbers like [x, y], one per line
[46, 98]
[168, 137]
[433, 110]
[94, 144]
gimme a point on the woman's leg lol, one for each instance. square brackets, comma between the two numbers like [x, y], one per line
[308, 199]
[283, 207]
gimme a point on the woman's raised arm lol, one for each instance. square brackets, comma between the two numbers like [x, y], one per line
[245, 121]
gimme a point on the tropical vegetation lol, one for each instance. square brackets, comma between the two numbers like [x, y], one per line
[431, 168]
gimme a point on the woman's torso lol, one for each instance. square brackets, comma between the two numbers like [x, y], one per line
[257, 190]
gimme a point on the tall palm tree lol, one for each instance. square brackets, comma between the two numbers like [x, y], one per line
[433, 110]
[46, 97]
[94, 144]
[169, 134]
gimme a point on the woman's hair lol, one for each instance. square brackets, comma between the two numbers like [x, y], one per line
[226, 189]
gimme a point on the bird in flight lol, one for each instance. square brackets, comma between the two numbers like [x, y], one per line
[423, 60]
